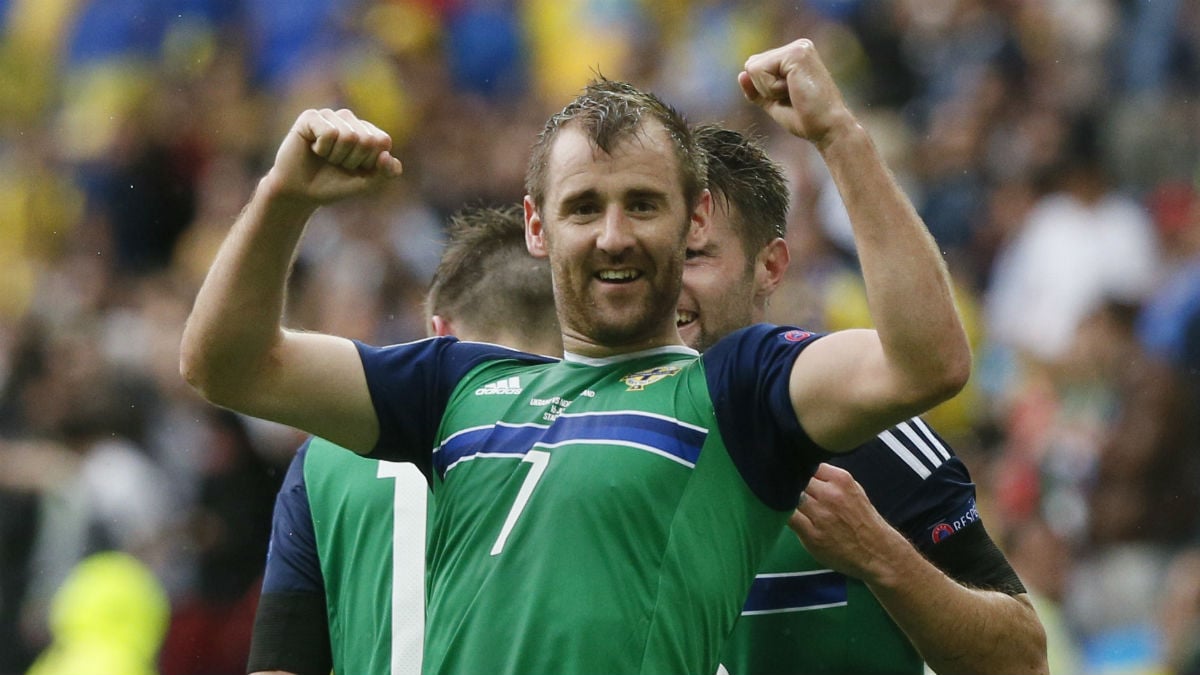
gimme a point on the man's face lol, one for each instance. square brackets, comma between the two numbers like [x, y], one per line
[615, 227]
[720, 289]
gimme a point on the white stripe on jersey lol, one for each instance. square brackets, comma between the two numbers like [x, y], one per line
[932, 437]
[639, 413]
[906, 429]
[915, 435]
[903, 453]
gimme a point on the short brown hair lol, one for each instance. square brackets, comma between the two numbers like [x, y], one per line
[610, 111]
[488, 280]
[749, 183]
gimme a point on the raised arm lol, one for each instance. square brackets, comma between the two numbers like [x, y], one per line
[235, 351]
[853, 384]
[956, 628]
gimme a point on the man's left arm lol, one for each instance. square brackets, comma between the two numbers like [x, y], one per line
[957, 628]
[853, 384]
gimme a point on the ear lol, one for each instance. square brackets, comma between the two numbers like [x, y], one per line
[440, 325]
[535, 235]
[697, 235]
[770, 267]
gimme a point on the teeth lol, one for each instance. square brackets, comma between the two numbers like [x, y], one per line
[683, 317]
[618, 275]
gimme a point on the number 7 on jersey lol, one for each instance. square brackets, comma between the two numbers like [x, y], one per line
[538, 459]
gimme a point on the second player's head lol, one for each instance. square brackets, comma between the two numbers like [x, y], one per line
[727, 280]
[487, 288]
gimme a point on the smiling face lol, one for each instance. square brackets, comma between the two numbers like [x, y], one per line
[724, 286]
[615, 226]
[728, 279]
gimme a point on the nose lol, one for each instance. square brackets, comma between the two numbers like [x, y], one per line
[615, 235]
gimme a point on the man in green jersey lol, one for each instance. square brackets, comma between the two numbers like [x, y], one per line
[965, 611]
[344, 587]
[605, 513]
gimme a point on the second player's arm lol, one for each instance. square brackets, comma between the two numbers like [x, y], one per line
[955, 628]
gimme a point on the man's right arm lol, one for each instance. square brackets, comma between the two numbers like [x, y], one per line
[235, 351]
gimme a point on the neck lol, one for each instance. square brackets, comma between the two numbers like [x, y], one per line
[586, 346]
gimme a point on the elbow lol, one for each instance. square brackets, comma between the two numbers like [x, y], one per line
[954, 369]
[1039, 657]
[941, 381]
[195, 368]
[955, 374]
[208, 373]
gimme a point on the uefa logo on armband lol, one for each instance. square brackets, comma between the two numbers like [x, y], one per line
[796, 335]
[941, 531]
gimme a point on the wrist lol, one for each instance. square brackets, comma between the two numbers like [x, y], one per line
[896, 563]
[281, 202]
[844, 131]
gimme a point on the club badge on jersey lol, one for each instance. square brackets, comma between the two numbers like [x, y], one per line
[644, 378]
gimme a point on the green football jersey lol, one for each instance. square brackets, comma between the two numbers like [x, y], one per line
[588, 516]
[834, 625]
[369, 519]
[802, 618]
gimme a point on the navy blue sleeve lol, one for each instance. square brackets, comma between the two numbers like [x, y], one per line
[410, 385]
[915, 481]
[748, 373]
[292, 561]
[291, 627]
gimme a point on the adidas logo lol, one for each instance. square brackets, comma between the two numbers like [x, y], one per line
[509, 386]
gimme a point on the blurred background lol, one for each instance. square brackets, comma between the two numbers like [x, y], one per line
[1052, 146]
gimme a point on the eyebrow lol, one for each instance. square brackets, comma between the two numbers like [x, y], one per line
[571, 200]
[646, 193]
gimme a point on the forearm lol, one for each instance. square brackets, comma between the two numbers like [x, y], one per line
[958, 629]
[236, 321]
[908, 286]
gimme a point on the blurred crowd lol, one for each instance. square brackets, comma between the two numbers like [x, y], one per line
[1052, 146]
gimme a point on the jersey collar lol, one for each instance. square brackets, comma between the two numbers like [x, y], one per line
[621, 358]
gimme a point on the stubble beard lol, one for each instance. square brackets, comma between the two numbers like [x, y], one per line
[611, 325]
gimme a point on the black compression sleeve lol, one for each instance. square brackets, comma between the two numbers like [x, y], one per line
[291, 633]
[970, 557]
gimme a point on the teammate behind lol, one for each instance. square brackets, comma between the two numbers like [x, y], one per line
[954, 595]
[344, 587]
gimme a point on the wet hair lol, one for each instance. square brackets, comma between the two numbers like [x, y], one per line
[610, 112]
[488, 281]
[748, 182]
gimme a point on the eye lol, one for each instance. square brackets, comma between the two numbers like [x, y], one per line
[642, 206]
[585, 209]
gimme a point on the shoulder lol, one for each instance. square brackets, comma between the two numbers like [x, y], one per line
[448, 349]
[754, 352]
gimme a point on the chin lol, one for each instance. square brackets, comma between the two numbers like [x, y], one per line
[625, 333]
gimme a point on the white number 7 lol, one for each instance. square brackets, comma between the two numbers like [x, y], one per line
[538, 460]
